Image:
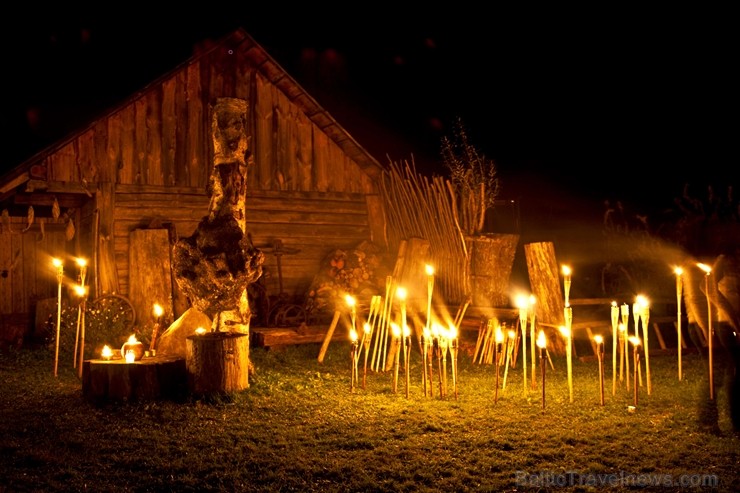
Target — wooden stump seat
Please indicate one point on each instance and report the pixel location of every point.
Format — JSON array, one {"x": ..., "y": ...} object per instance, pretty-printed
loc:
[{"x": 151, "y": 378}]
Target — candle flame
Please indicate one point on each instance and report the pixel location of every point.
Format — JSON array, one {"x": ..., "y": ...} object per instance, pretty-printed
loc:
[
  {"x": 453, "y": 332},
  {"x": 622, "y": 328},
  {"x": 499, "y": 335},
  {"x": 678, "y": 271},
  {"x": 158, "y": 310},
  {"x": 401, "y": 293},
  {"x": 541, "y": 339},
  {"x": 56, "y": 262},
  {"x": 406, "y": 330},
  {"x": 705, "y": 268},
  {"x": 614, "y": 303},
  {"x": 598, "y": 339},
  {"x": 130, "y": 356},
  {"x": 353, "y": 335},
  {"x": 350, "y": 300},
  {"x": 80, "y": 290},
  {"x": 427, "y": 333},
  {"x": 200, "y": 331},
  {"x": 81, "y": 261},
  {"x": 567, "y": 271},
  {"x": 367, "y": 328},
  {"x": 564, "y": 330},
  {"x": 635, "y": 340},
  {"x": 132, "y": 339},
  {"x": 107, "y": 352},
  {"x": 430, "y": 270},
  {"x": 512, "y": 334}
]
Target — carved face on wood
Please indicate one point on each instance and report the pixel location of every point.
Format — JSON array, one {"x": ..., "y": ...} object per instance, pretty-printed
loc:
[{"x": 230, "y": 131}]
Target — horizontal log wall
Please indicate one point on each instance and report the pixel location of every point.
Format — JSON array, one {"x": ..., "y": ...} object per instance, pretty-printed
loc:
[{"x": 314, "y": 223}]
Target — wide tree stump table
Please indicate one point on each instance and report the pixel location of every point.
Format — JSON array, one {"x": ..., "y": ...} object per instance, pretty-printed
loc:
[{"x": 151, "y": 378}]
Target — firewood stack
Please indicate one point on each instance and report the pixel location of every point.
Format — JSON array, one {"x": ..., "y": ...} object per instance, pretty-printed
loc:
[{"x": 360, "y": 272}]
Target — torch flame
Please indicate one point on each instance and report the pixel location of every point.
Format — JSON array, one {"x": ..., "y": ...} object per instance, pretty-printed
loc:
[{"x": 541, "y": 339}]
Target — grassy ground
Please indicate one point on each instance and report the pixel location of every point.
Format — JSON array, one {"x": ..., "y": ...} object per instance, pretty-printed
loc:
[{"x": 300, "y": 428}]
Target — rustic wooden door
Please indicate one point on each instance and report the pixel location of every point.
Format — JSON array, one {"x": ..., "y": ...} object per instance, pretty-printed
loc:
[{"x": 150, "y": 278}]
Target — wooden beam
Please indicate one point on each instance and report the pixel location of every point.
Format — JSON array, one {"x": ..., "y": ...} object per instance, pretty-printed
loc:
[{"x": 18, "y": 180}]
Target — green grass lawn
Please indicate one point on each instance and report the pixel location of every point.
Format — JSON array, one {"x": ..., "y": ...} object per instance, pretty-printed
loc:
[{"x": 299, "y": 427}]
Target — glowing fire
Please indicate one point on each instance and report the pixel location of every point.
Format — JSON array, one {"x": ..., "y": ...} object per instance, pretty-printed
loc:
[{"x": 107, "y": 352}]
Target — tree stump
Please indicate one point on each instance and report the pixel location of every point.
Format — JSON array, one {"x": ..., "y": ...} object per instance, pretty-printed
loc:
[
  {"x": 217, "y": 362},
  {"x": 146, "y": 379}
]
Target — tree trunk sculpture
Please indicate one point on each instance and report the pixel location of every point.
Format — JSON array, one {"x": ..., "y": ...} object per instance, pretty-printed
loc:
[{"x": 215, "y": 265}]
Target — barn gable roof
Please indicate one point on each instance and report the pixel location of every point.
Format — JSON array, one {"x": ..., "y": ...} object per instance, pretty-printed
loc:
[{"x": 267, "y": 66}]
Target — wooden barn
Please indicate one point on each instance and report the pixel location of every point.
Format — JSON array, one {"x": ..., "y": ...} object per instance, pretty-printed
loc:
[{"x": 121, "y": 191}]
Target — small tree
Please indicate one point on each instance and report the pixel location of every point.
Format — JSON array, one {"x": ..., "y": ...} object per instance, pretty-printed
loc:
[{"x": 473, "y": 183}]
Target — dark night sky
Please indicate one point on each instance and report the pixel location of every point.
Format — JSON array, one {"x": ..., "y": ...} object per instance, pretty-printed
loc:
[{"x": 611, "y": 104}]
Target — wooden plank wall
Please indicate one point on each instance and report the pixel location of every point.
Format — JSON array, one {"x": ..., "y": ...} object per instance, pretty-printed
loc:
[
  {"x": 33, "y": 277},
  {"x": 314, "y": 223},
  {"x": 157, "y": 151}
]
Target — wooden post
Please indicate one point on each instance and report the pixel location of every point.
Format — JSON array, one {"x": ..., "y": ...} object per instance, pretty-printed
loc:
[
  {"x": 329, "y": 335},
  {"x": 217, "y": 362},
  {"x": 545, "y": 283}
]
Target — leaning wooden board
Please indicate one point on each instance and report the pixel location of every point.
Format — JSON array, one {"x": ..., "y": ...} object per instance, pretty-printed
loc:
[{"x": 159, "y": 377}]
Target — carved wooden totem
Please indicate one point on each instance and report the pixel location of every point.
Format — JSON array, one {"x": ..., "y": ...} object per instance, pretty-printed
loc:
[{"x": 214, "y": 265}]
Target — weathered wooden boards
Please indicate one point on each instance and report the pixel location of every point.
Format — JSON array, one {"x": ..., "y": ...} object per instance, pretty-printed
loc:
[
  {"x": 491, "y": 262},
  {"x": 146, "y": 379},
  {"x": 217, "y": 362}
]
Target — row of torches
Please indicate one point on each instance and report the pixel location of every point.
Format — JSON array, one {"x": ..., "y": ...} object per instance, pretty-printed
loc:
[
  {"x": 130, "y": 355},
  {"x": 437, "y": 341}
]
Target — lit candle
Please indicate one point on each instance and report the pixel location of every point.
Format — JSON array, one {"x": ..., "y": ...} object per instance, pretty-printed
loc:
[
  {"x": 568, "y": 312},
  {"x": 60, "y": 276},
  {"x": 396, "y": 331},
  {"x": 407, "y": 356},
  {"x": 427, "y": 374},
  {"x": 81, "y": 291},
  {"x": 708, "y": 270},
  {"x": 511, "y": 336},
  {"x": 621, "y": 331},
  {"x": 644, "y": 307},
  {"x": 158, "y": 311},
  {"x": 454, "y": 345},
  {"x": 625, "y": 313},
  {"x": 353, "y": 359},
  {"x": 532, "y": 342},
  {"x": 521, "y": 302},
  {"x": 636, "y": 356},
  {"x": 106, "y": 353},
  {"x": 542, "y": 343},
  {"x": 499, "y": 339},
  {"x": 367, "y": 330},
  {"x": 615, "y": 325},
  {"x": 430, "y": 290},
  {"x": 679, "y": 288},
  {"x": 566, "y": 332},
  {"x": 200, "y": 331},
  {"x": 566, "y": 283},
  {"x": 600, "y": 355}
]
